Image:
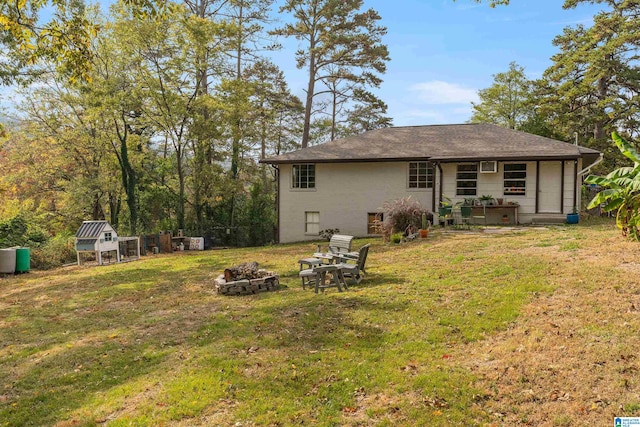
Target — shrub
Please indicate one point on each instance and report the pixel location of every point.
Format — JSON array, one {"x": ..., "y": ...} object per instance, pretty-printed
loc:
[
  {"x": 396, "y": 238},
  {"x": 328, "y": 233},
  {"x": 56, "y": 252},
  {"x": 401, "y": 213}
]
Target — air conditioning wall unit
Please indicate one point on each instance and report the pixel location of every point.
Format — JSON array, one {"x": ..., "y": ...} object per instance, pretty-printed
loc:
[{"x": 490, "y": 166}]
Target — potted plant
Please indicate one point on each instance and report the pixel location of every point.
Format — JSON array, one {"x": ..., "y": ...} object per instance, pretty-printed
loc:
[
  {"x": 445, "y": 210},
  {"x": 486, "y": 199},
  {"x": 424, "y": 231},
  {"x": 573, "y": 217},
  {"x": 445, "y": 206},
  {"x": 500, "y": 200}
]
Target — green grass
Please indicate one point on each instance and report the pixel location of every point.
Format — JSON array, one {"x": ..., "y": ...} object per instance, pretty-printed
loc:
[{"x": 150, "y": 342}]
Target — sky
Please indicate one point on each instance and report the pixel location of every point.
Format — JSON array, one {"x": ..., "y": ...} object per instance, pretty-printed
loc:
[{"x": 442, "y": 52}]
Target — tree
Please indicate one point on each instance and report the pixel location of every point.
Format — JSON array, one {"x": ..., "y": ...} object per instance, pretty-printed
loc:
[
  {"x": 506, "y": 102},
  {"x": 340, "y": 42},
  {"x": 273, "y": 112},
  {"x": 64, "y": 40},
  {"x": 352, "y": 109},
  {"x": 593, "y": 86},
  {"x": 65, "y": 117}
]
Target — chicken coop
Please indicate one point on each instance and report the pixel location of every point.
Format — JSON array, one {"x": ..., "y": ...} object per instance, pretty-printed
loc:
[{"x": 98, "y": 241}]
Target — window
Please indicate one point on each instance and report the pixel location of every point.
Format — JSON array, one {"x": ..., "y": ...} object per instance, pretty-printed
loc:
[
  {"x": 467, "y": 179},
  {"x": 312, "y": 223},
  {"x": 373, "y": 222},
  {"x": 515, "y": 179},
  {"x": 107, "y": 236},
  {"x": 304, "y": 176},
  {"x": 420, "y": 175}
]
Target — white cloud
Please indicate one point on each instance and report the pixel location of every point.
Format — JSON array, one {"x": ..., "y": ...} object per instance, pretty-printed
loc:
[{"x": 437, "y": 92}]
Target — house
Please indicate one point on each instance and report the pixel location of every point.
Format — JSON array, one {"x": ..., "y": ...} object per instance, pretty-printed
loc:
[{"x": 344, "y": 183}]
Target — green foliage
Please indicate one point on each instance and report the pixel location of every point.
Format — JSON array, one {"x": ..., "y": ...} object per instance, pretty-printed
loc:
[
  {"x": 342, "y": 48},
  {"x": 261, "y": 216},
  {"x": 53, "y": 253},
  {"x": 586, "y": 89},
  {"x": 507, "y": 102},
  {"x": 13, "y": 232},
  {"x": 396, "y": 238},
  {"x": 622, "y": 190},
  {"x": 45, "y": 252}
]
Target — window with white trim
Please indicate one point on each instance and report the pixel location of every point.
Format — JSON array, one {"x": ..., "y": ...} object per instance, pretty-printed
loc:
[
  {"x": 304, "y": 176},
  {"x": 515, "y": 179},
  {"x": 312, "y": 223},
  {"x": 107, "y": 236},
  {"x": 420, "y": 175},
  {"x": 467, "y": 179}
]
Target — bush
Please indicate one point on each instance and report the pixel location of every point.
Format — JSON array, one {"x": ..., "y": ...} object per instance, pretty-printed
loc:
[
  {"x": 56, "y": 252},
  {"x": 401, "y": 213},
  {"x": 396, "y": 238},
  {"x": 328, "y": 233}
]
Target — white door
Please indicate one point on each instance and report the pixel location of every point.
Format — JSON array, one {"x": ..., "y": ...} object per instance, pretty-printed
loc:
[{"x": 550, "y": 187}]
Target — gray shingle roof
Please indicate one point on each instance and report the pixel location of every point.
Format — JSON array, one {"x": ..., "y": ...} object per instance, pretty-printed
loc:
[
  {"x": 91, "y": 229},
  {"x": 443, "y": 143}
]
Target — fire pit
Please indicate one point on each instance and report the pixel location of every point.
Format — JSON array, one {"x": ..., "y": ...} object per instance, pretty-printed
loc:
[{"x": 246, "y": 279}]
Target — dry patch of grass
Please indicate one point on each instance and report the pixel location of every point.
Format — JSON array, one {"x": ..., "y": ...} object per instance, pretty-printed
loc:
[
  {"x": 571, "y": 357},
  {"x": 535, "y": 327}
]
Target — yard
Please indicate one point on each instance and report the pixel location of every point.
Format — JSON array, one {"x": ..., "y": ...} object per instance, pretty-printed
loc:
[{"x": 535, "y": 327}]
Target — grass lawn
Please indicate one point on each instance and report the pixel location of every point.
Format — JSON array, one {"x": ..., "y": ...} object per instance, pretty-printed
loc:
[{"x": 535, "y": 327}]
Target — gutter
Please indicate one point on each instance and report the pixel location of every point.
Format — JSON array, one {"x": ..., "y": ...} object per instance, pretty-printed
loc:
[{"x": 588, "y": 168}]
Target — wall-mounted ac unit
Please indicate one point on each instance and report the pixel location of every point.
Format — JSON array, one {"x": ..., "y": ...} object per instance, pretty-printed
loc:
[{"x": 489, "y": 167}]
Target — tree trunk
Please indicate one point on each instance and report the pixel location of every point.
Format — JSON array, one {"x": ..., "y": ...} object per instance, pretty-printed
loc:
[
  {"x": 308, "y": 107},
  {"x": 181, "y": 198}
]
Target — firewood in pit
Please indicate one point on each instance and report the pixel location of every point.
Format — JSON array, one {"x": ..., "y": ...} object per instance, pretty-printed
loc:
[{"x": 247, "y": 270}]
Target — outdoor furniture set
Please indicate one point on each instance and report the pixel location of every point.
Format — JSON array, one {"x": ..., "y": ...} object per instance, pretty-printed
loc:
[{"x": 333, "y": 267}]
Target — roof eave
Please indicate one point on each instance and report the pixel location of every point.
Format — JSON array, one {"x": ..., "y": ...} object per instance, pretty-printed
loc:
[
  {"x": 424, "y": 159},
  {"x": 361, "y": 160}
]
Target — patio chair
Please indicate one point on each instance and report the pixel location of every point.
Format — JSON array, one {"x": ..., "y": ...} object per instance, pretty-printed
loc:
[
  {"x": 340, "y": 243},
  {"x": 354, "y": 267}
]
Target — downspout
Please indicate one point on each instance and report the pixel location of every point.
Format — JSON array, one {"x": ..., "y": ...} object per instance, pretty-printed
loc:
[
  {"x": 579, "y": 175},
  {"x": 562, "y": 187},
  {"x": 575, "y": 185},
  {"x": 537, "y": 210},
  {"x": 440, "y": 187},
  {"x": 277, "y": 172},
  {"x": 433, "y": 193}
]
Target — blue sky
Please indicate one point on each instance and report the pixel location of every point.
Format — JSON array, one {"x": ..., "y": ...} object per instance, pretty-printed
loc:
[{"x": 442, "y": 52}]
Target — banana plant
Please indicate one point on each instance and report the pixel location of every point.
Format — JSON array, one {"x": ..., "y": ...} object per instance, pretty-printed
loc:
[{"x": 622, "y": 190}]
